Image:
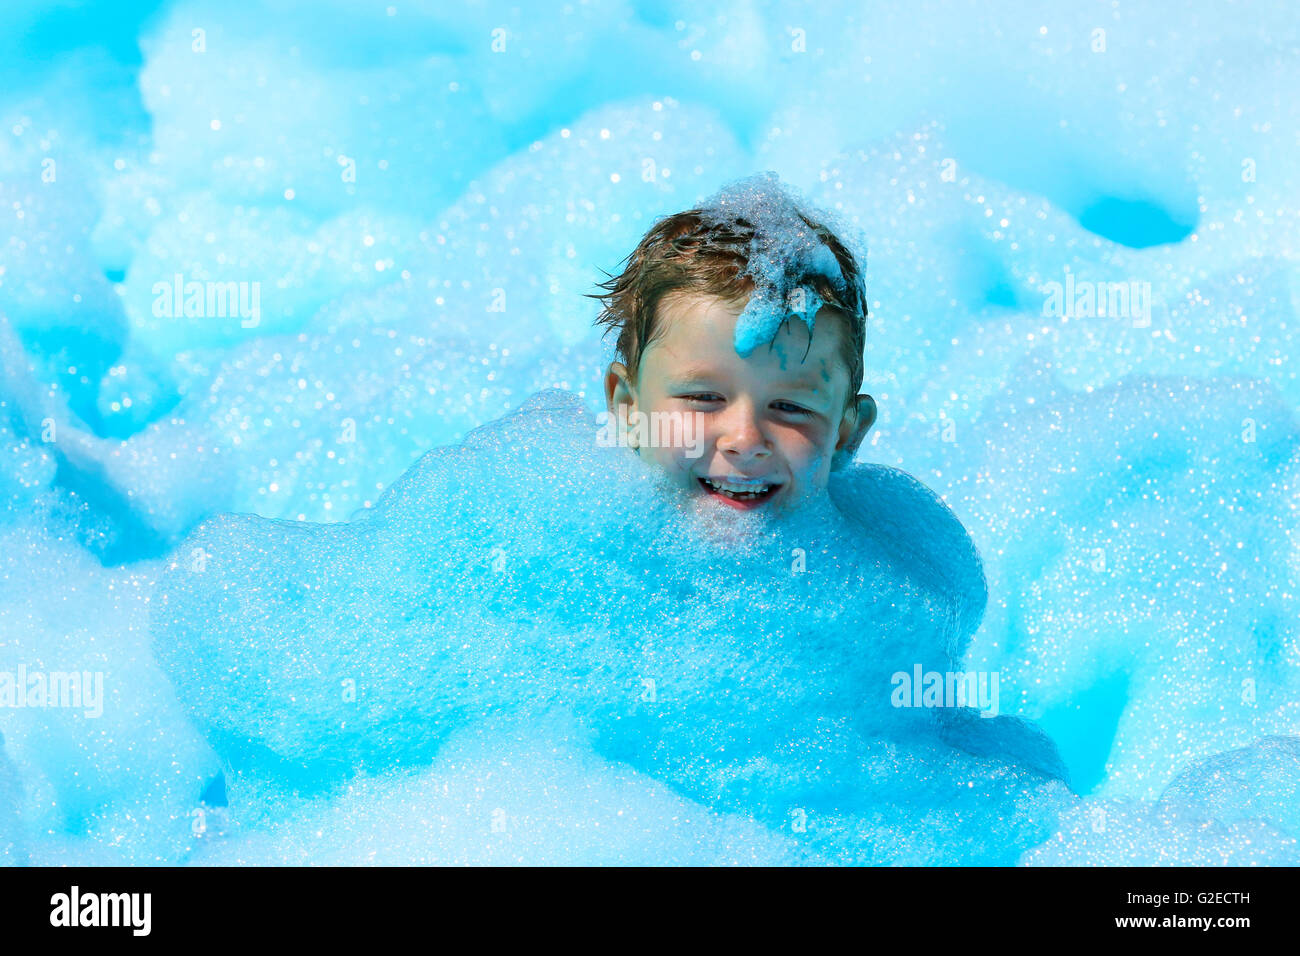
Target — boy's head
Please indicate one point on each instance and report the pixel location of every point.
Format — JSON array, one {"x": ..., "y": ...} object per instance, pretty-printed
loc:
[{"x": 695, "y": 299}]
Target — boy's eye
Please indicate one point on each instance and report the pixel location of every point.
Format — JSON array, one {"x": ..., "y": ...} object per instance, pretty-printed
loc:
[
  {"x": 702, "y": 397},
  {"x": 790, "y": 408}
]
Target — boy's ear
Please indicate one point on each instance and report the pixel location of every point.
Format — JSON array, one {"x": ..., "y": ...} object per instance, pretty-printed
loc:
[
  {"x": 618, "y": 387},
  {"x": 853, "y": 430}
]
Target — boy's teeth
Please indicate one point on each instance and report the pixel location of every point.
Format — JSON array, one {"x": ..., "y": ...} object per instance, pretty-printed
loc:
[{"x": 738, "y": 490}]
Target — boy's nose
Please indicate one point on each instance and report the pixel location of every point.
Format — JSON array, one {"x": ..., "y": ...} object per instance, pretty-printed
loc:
[{"x": 741, "y": 437}]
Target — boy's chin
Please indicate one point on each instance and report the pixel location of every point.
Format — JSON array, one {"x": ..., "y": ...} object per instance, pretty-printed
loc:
[{"x": 716, "y": 525}]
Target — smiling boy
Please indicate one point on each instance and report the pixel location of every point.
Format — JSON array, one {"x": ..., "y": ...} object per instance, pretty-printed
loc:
[
  {"x": 771, "y": 420},
  {"x": 747, "y": 318}
]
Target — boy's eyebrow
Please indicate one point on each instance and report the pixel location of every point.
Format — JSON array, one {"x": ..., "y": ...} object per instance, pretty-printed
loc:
[
  {"x": 805, "y": 381},
  {"x": 693, "y": 371}
]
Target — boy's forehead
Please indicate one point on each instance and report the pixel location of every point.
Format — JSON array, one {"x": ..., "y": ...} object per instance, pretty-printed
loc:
[
  {"x": 696, "y": 311},
  {"x": 698, "y": 329}
]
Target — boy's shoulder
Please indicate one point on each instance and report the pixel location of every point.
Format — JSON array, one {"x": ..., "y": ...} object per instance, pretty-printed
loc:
[{"x": 920, "y": 531}]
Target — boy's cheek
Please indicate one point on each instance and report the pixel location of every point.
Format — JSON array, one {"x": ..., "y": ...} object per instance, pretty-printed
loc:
[
  {"x": 694, "y": 443},
  {"x": 816, "y": 475},
  {"x": 676, "y": 463}
]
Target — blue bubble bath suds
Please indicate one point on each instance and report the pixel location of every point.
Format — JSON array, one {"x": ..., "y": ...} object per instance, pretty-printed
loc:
[{"x": 309, "y": 552}]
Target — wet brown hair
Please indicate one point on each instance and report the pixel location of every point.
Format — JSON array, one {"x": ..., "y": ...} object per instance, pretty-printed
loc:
[{"x": 684, "y": 253}]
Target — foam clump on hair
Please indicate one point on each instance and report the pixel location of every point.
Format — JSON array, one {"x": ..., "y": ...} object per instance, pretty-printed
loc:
[{"x": 785, "y": 249}]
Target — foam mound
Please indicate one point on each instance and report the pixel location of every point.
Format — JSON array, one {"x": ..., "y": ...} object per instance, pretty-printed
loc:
[{"x": 529, "y": 566}]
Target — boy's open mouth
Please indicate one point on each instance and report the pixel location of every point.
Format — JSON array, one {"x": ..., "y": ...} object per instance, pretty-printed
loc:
[{"x": 737, "y": 493}]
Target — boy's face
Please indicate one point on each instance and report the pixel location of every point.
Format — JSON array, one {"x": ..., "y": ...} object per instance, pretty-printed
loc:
[{"x": 771, "y": 422}]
